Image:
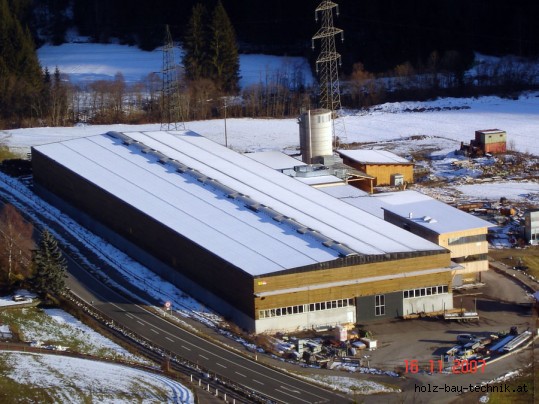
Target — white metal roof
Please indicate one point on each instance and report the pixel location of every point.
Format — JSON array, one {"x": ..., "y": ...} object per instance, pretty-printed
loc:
[
  {"x": 345, "y": 191},
  {"x": 373, "y": 156},
  {"x": 203, "y": 213},
  {"x": 275, "y": 159},
  {"x": 320, "y": 180},
  {"x": 430, "y": 213},
  {"x": 427, "y": 212}
]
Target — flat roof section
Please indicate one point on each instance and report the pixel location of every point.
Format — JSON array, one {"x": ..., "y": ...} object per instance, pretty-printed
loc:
[
  {"x": 373, "y": 156},
  {"x": 275, "y": 159},
  {"x": 330, "y": 180},
  {"x": 426, "y": 211}
]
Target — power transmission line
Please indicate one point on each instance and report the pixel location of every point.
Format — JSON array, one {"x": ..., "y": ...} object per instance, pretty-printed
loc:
[
  {"x": 171, "y": 114},
  {"x": 327, "y": 65}
]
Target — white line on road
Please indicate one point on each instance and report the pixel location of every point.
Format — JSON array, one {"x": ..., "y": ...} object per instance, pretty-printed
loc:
[
  {"x": 151, "y": 329},
  {"x": 140, "y": 322},
  {"x": 187, "y": 349},
  {"x": 202, "y": 356},
  {"x": 170, "y": 339},
  {"x": 290, "y": 395},
  {"x": 218, "y": 364},
  {"x": 290, "y": 390},
  {"x": 242, "y": 375},
  {"x": 130, "y": 316},
  {"x": 256, "y": 381}
]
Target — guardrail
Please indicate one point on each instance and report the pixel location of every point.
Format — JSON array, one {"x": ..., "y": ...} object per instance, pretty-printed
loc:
[{"x": 216, "y": 384}]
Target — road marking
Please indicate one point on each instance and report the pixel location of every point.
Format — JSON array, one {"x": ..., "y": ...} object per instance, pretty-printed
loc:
[
  {"x": 202, "y": 356},
  {"x": 140, "y": 322},
  {"x": 290, "y": 390},
  {"x": 308, "y": 390},
  {"x": 238, "y": 373},
  {"x": 151, "y": 329},
  {"x": 218, "y": 364},
  {"x": 256, "y": 381},
  {"x": 290, "y": 395},
  {"x": 170, "y": 339},
  {"x": 130, "y": 316}
]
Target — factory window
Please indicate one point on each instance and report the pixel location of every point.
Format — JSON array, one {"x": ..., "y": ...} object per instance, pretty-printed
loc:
[
  {"x": 284, "y": 311},
  {"x": 471, "y": 258},
  {"x": 379, "y": 305},
  {"x": 432, "y": 290},
  {"x": 467, "y": 239}
]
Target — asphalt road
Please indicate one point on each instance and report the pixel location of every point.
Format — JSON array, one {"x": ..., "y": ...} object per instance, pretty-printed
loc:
[{"x": 249, "y": 373}]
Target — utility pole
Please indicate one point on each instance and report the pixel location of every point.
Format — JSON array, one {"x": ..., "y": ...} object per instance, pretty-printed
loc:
[
  {"x": 327, "y": 65},
  {"x": 224, "y": 107},
  {"x": 171, "y": 114}
]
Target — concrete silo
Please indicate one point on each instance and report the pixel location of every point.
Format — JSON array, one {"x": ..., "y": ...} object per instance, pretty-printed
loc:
[{"x": 315, "y": 134}]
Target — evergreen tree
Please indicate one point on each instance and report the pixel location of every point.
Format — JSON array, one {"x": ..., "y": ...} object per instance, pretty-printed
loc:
[
  {"x": 20, "y": 72},
  {"x": 195, "y": 44},
  {"x": 50, "y": 266},
  {"x": 224, "y": 60}
]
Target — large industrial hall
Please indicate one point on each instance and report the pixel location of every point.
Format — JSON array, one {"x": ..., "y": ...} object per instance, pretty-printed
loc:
[{"x": 265, "y": 250}]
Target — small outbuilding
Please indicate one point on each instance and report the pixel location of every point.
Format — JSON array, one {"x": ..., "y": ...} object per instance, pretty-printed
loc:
[
  {"x": 381, "y": 164},
  {"x": 531, "y": 226}
]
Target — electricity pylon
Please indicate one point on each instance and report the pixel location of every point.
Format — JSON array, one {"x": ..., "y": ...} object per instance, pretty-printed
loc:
[
  {"x": 327, "y": 65},
  {"x": 171, "y": 114}
]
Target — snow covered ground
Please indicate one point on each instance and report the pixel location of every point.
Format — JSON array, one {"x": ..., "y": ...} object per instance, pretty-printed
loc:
[
  {"x": 72, "y": 380},
  {"x": 432, "y": 129},
  {"x": 58, "y": 328}
]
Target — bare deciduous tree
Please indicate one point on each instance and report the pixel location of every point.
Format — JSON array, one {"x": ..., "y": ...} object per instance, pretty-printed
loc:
[{"x": 16, "y": 245}]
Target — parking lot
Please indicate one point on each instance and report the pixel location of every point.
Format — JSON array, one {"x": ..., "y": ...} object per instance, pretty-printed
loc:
[{"x": 501, "y": 304}]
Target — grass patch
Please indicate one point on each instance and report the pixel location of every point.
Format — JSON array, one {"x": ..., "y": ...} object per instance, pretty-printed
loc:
[
  {"x": 511, "y": 256},
  {"x": 520, "y": 391},
  {"x": 6, "y": 154}
]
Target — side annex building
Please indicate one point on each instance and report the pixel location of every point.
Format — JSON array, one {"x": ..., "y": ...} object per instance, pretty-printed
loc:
[{"x": 263, "y": 249}]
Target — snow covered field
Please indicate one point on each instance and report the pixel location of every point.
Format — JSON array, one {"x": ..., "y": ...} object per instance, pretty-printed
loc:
[
  {"x": 443, "y": 129},
  {"x": 73, "y": 380},
  {"x": 87, "y": 62}
]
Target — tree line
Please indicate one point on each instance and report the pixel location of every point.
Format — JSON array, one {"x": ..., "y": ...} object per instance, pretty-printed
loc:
[
  {"x": 380, "y": 34},
  {"x": 30, "y": 96}
]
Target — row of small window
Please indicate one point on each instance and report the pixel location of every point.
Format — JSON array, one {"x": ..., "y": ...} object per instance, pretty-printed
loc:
[
  {"x": 467, "y": 239},
  {"x": 431, "y": 290},
  {"x": 471, "y": 258},
  {"x": 284, "y": 311}
]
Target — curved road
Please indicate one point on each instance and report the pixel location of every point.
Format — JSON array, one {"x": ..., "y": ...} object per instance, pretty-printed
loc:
[{"x": 253, "y": 375}]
